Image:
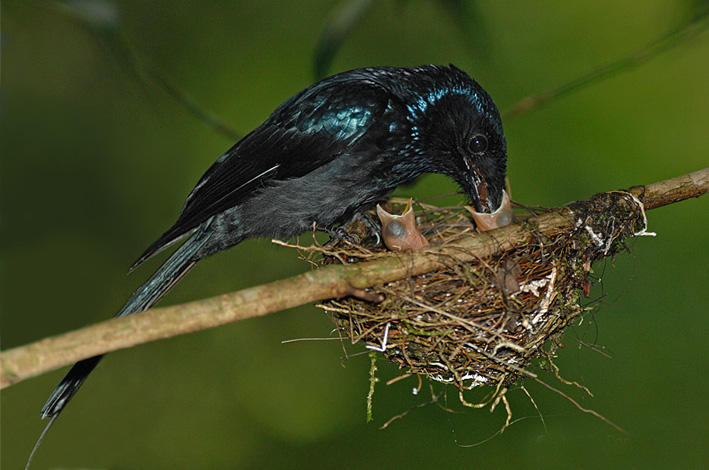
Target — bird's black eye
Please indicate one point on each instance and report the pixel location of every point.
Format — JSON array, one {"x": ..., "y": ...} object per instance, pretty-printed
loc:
[{"x": 478, "y": 143}]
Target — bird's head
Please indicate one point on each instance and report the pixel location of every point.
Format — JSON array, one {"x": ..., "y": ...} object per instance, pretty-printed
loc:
[{"x": 459, "y": 131}]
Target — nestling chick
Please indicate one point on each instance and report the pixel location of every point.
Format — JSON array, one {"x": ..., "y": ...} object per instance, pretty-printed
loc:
[
  {"x": 504, "y": 215},
  {"x": 400, "y": 232}
]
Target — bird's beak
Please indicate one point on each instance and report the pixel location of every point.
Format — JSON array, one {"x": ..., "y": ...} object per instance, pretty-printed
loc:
[
  {"x": 400, "y": 232},
  {"x": 504, "y": 215},
  {"x": 479, "y": 195}
]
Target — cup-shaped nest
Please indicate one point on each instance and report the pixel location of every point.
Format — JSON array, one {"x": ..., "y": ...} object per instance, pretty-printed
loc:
[{"x": 482, "y": 322}]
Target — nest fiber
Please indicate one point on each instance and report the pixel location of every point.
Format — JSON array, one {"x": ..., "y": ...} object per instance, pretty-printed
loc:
[{"x": 482, "y": 322}]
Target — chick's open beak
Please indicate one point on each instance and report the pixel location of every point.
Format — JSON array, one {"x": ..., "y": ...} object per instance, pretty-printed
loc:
[
  {"x": 400, "y": 232},
  {"x": 504, "y": 215}
]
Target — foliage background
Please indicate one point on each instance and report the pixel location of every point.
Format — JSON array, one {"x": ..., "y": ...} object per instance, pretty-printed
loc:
[{"x": 96, "y": 161}]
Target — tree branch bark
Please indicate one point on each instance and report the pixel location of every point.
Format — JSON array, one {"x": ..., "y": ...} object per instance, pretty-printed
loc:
[{"x": 334, "y": 281}]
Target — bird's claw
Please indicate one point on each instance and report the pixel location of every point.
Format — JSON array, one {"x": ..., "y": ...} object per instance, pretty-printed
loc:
[
  {"x": 372, "y": 226},
  {"x": 337, "y": 234}
]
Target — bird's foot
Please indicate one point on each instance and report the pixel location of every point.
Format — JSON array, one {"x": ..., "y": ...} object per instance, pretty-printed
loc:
[
  {"x": 373, "y": 227},
  {"x": 337, "y": 234},
  {"x": 356, "y": 234}
]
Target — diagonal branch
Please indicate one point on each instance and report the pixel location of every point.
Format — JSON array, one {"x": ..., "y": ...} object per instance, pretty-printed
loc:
[{"x": 333, "y": 281}]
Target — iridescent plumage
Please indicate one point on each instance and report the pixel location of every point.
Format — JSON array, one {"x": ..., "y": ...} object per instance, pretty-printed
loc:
[{"x": 326, "y": 153}]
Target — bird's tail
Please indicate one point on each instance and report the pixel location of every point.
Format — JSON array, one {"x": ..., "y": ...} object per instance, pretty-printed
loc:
[{"x": 142, "y": 299}]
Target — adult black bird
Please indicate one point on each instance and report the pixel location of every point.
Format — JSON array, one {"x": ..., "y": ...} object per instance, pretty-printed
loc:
[{"x": 326, "y": 153}]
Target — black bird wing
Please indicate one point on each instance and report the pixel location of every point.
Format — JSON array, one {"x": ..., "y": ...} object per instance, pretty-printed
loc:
[{"x": 309, "y": 130}]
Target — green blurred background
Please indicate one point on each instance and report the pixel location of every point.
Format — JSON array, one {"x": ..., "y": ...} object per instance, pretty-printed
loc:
[{"x": 97, "y": 160}]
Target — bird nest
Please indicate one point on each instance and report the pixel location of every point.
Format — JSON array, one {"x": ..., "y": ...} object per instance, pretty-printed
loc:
[{"x": 481, "y": 321}]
